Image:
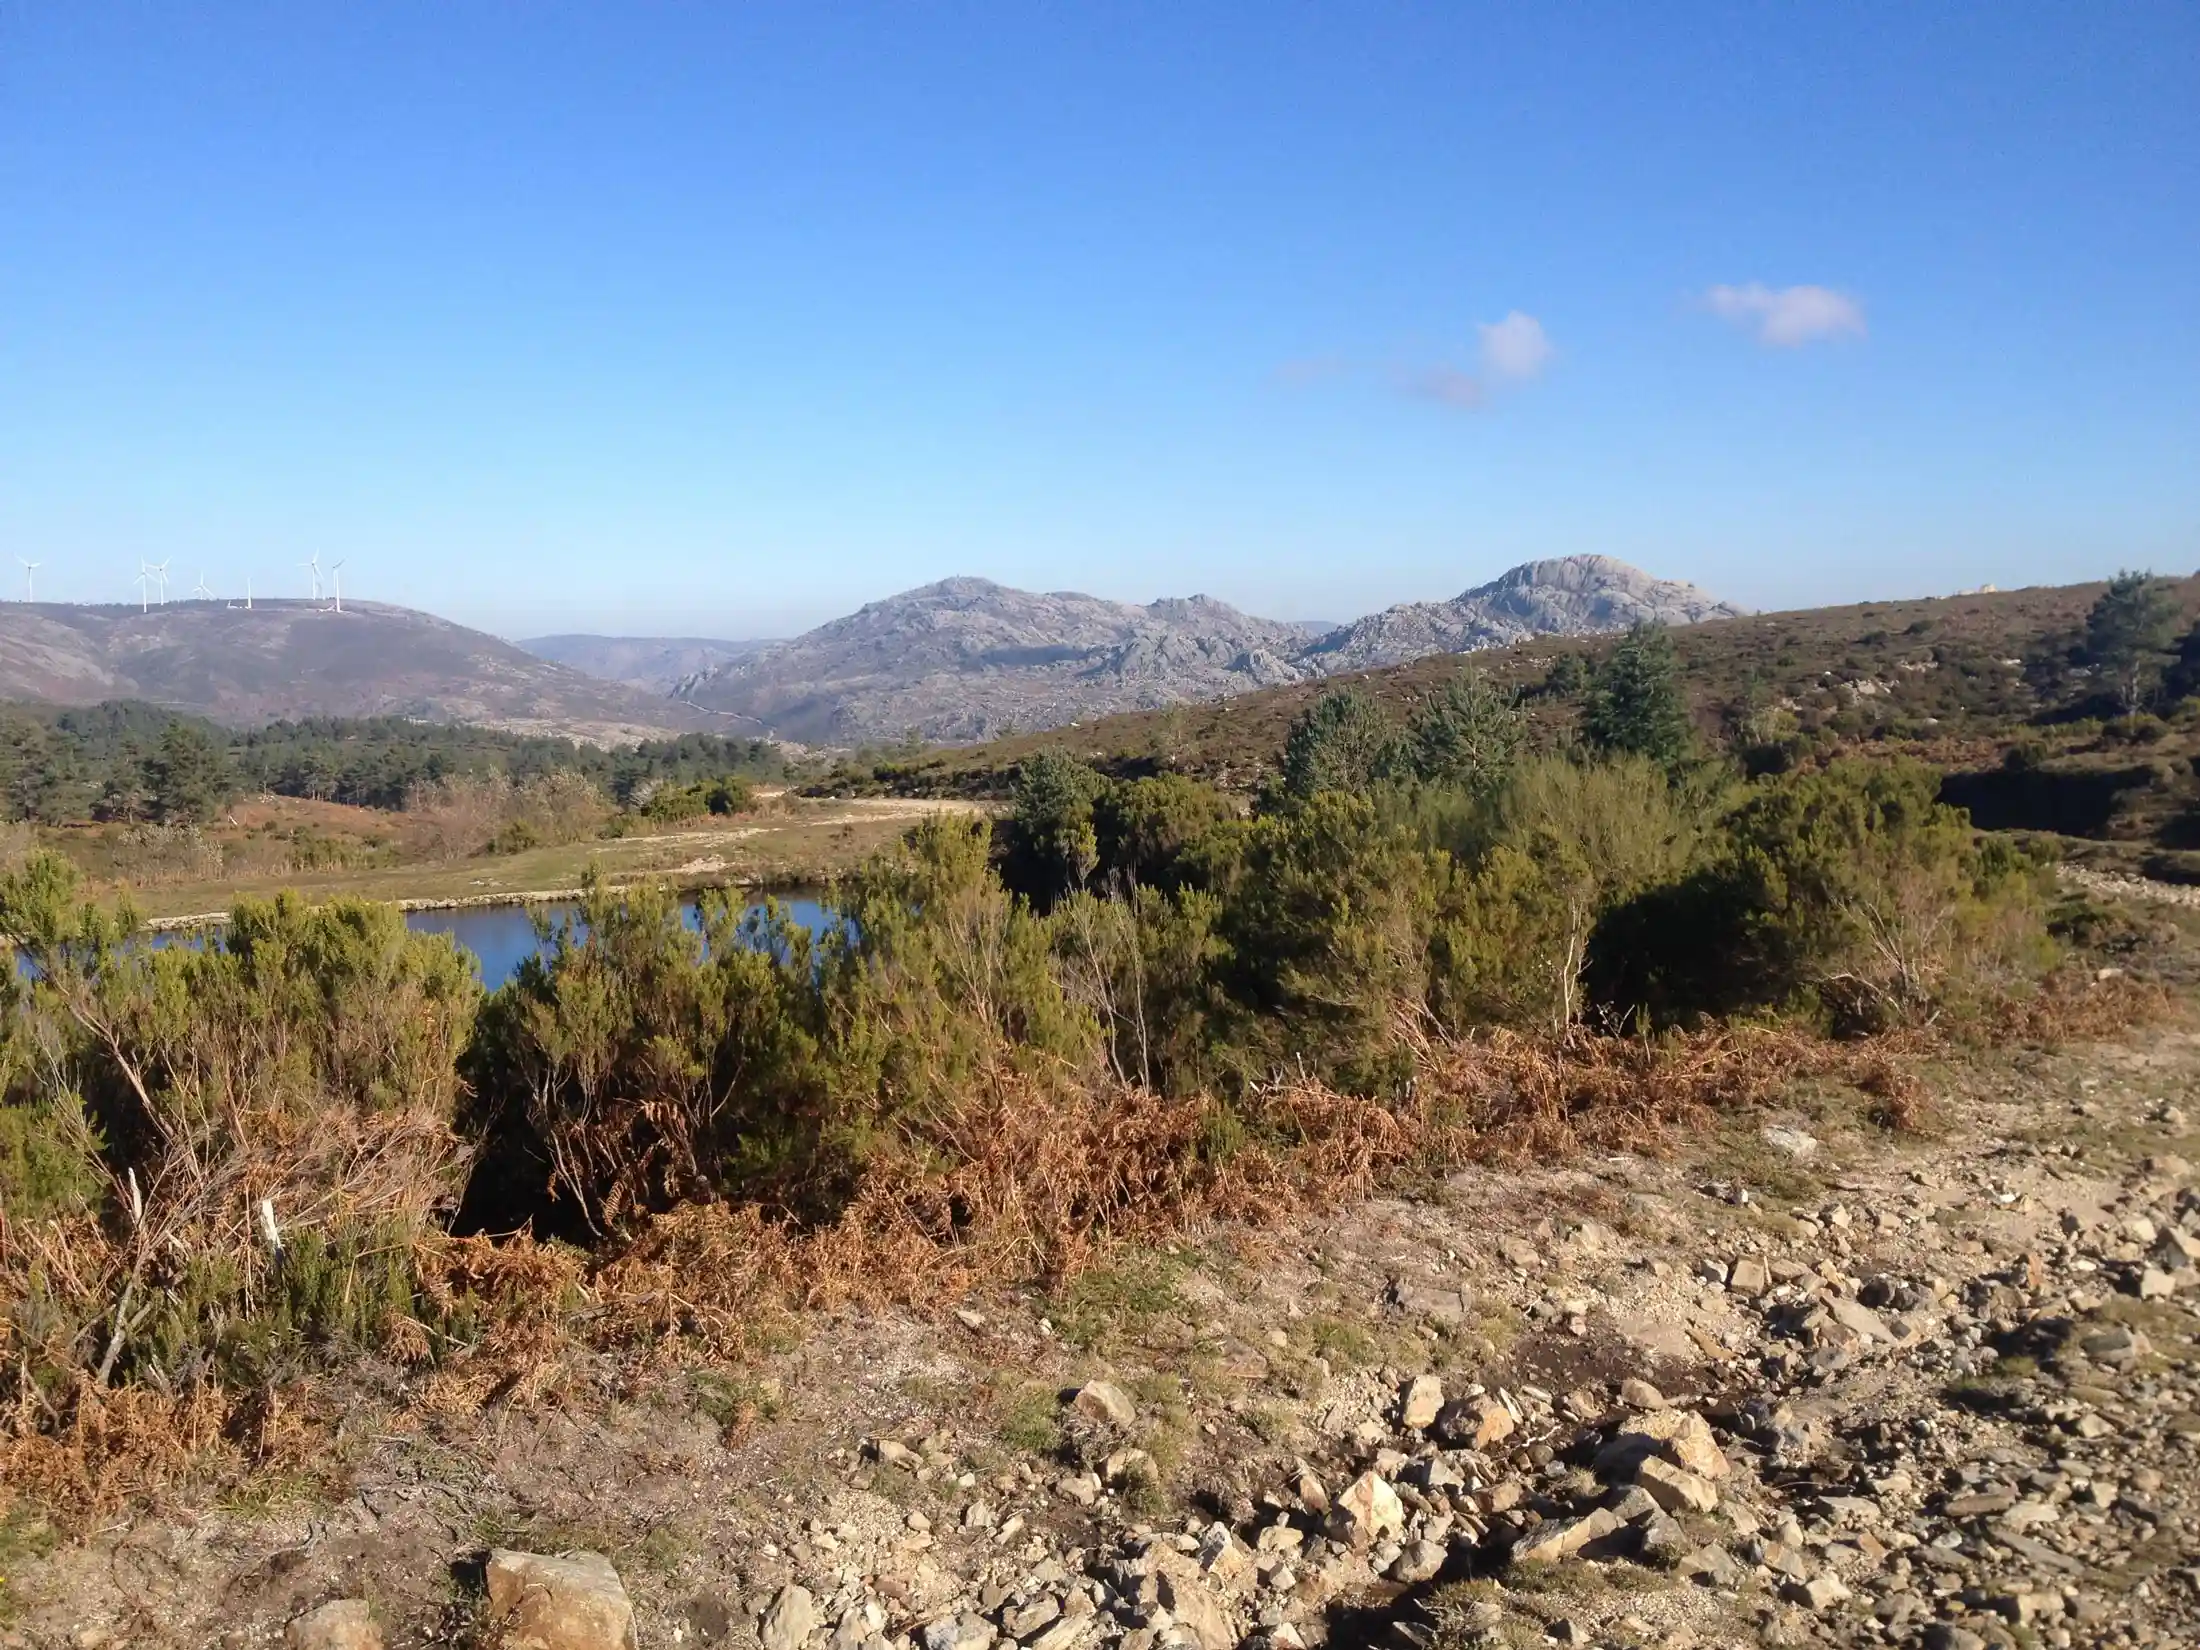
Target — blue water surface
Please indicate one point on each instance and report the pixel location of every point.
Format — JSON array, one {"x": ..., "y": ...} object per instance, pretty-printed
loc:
[{"x": 501, "y": 937}]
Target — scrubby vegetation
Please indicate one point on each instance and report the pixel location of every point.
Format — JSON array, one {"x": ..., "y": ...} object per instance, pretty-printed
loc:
[
  {"x": 1133, "y": 1005},
  {"x": 1500, "y": 913},
  {"x": 2070, "y": 715}
]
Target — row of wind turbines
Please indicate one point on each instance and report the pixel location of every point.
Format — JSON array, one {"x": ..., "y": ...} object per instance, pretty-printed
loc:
[{"x": 153, "y": 576}]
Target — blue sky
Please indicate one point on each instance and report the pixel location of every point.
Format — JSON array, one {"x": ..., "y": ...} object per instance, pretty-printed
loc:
[{"x": 722, "y": 319}]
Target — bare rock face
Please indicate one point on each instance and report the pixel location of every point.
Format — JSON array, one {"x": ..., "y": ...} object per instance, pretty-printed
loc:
[
  {"x": 967, "y": 659},
  {"x": 1567, "y": 596},
  {"x": 576, "y": 1602},
  {"x": 342, "y": 1624}
]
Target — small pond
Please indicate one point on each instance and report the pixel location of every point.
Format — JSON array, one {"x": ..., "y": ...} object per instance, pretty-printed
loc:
[{"x": 501, "y": 937}]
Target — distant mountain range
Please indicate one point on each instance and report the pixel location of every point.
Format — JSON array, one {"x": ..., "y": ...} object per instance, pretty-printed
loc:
[
  {"x": 961, "y": 660},
  {"x": 1570, "y": 596},
  {"x": 658, "y": 663},
  {"x": 291, "y": 659},
  {"x": 966, "y": 659}
]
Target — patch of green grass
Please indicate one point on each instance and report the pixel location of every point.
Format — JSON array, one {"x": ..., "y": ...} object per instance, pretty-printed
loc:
[
  {"x": 1345, "y": 1344},
  {"x": 737, "y": 1402},
  {"x": 1114, "y": 1305},
  {"x": 1270, "y": 1423},
  {"x": 25, "y": 1535},
  {"x": 1030, "y": 1419},
  {"x": 665, "y": 1548},
  {"x": 1742, "y": 1155}
]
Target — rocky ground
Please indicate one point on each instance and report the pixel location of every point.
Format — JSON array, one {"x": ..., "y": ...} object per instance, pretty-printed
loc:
[{"x": 1803, "y": 1381}]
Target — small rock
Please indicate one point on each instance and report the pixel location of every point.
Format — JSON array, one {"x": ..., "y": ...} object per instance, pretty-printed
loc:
[
  {"x": 1224, "y": 1557},
  {"x": 1196, "y": 1609},
  {"x": 1080, "y": 1487},
  {"x": 1024, "y": 1621},
  {"x": 1562, "y": 1538},
  {"x": 1660, "y": 1540},
  {"x": 1750, "y": 1276},
  {"x": 1680, "y": 1436},
  {"x": 1714, "y": 1566},
  {"x": 1821, "y": 1592},
  {"x": 1420, "y": 1403},
  {"x": 1859, "y": 1319},
  {"x": 790, "y": 1620},
  {"x": 967, "y": 1631},
  {"x": 1104, "y": 1401},
  {"x": 1365, "y": 1511},
  {"x": 2118, "y": 1346},
  {"x": 1675, "y": 1489},
  {"x": 342, "y": 1624},
  {"x": 1636, "y": 1393},
  {"x": 1420, "y": 1561},
  {"x": 1475, "y": 1423},
  {"x": 572, "y": 1603},
  {"x": 1790, "y": 1142}
]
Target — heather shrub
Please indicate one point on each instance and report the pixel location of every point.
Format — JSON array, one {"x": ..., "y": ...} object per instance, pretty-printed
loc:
[
  {"x": 1852, "y": 894},
  {"x": 1324, "y": 938},
  {"x": 642, "y": 1062},
  {"x": 219, "y": 1156},
  {"x": 1567, "y": 842}
]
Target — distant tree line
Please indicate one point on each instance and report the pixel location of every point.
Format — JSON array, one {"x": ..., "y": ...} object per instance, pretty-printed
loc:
[{"x": 131, "y": 761}]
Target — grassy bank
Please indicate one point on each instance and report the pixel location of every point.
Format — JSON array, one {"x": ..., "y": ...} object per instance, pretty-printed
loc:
[{"x": 789, "y": 840}]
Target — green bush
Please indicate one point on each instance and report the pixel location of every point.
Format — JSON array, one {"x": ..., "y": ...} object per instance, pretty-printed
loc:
[
  {"x": 1326, "y": 941},
  {"x": 1341, "y": 743},
  {"x": 1165, "y": 832},
  {"x": 1051, "y": 846},
  {"x": 1853, "y": 893},
  {"x": 1466, "y": 738},
  {"x": 641, "y": 1062},
  {"x": 720, "y": 797},
  {"x": 1567, "y": 843},
  {"x": 1635, "y": 706},
  {"x": 236, "y": 1145}
]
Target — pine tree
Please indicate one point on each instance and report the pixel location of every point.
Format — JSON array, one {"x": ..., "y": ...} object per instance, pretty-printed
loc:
[
  {"x": 1635, "y": 703},
  {"x": 187, "y": 775},
  {"x": 2129, "y": 634},
  {"x": 1467, "y": 737},
  {"x": 1338, "y": 744}
]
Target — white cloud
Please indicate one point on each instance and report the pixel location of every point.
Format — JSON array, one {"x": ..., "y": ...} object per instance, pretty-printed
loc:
[
  {"x": 1789, "y": 315},
  {"x": 1515, "y": 348}
]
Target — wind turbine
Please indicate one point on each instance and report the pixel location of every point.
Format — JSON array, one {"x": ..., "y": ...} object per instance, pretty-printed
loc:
[
  {"x": 29, "y": 567},
  {"x": 144, "y": 584},
  {"x": 312, "y": 565},
  {"x": 199, "y": 592},
  {"x": 159, "y": 570},
  {"x": 336, "y": 582}
]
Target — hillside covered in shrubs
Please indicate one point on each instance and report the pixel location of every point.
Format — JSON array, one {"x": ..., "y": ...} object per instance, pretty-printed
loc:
[{"x": 1131, "y": 1006}]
